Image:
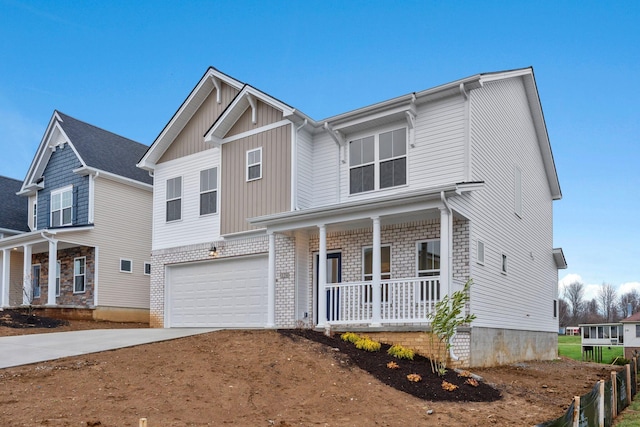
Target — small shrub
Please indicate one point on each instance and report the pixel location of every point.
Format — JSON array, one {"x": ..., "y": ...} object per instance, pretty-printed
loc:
[
  {"x": 414, "y": 378},
  {"x": 392, "y": 365},
  {"x": 448, "y": 386},
  {"x": 400, "y": 352},
  {"x": 620, "y": 361},
  {"x": 368, "y": 344},
  {"x": 471, "y": 382},
  {"x": 350, "y": 337}
]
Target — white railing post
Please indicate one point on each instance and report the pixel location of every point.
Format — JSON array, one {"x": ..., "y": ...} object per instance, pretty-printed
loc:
[
  {"x": 376, "y": 287},
  {"x": 322, "y": 277}
]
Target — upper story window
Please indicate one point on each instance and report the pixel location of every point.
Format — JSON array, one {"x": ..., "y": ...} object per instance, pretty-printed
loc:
[
  {"x": 208, "y": 191},
  {"x": 377, "y": 162},
  {"x": 254, "y": 164},
  {"x": 174, "y": 199},
  {"x": 35, "y": 216},
  {"x": 62, "y": 207}
]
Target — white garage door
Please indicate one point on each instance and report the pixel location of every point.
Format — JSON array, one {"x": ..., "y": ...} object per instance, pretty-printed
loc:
[{"x": 229, "y": 293}]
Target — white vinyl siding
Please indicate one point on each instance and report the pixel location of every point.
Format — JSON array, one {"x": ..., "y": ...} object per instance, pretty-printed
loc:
[
  {"x": 517, "y": 191},
  {"x": 194, "y": 228},
  {"x": 305, "y": 169},
  {"x": 502, "y": 135},
  {"x": 326, "y": 173}
]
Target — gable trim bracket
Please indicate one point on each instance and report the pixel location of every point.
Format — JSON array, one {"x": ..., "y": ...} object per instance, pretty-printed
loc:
[
  {"x": 218, "y": 85},
  {"x": 254, "y": 108},
  {"x": 338, "y": 138}
]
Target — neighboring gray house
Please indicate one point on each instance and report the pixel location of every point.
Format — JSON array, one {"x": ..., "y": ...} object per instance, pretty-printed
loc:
[
  {"x": 89, "y": 216},
  {"x": 264, "y": 217}
]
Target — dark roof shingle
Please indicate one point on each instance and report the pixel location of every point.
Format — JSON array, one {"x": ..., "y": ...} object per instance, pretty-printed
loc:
[{"x": 13, "y": 209}]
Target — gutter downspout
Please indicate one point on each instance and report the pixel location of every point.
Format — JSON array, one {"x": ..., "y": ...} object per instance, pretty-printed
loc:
[
  {"x": 333, "y": 136},
  {"x": 448, "y": 255}
]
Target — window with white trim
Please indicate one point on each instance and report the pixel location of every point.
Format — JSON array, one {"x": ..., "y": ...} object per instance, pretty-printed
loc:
[
  {"x": 35, "y": 215},
  {"x": 518, "y": 192},
  {"x": 385, "y": 269},
  {"x": 126, "y": 265},
  {"x": 503, "y": 267},
  {"x": 147, "y": 268},
  {"x": 174, "y": 199},
  {"x": 480, "y": 252},
  {"x": 79, "y": 275},
  {"x": 35, "y": 280},
  {"x": 208, "y": 191},
  {"x": 62, "y": 207},
  {"x": 58, "y": 278},
  {"x": 377, "y": 162},
  {"x": 254, "y": 164},
  {"x": 428, "y": 253}
]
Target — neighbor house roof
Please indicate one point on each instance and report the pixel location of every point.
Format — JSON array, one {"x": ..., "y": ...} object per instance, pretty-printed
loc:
[
  {"x": 13, "y": 208},
  {"x": 97, "y": 150},
  {"x": 632, "y": 319}
]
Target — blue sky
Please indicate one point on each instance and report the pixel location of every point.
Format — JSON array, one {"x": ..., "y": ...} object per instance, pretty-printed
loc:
[{"x": 127, "y": 66}]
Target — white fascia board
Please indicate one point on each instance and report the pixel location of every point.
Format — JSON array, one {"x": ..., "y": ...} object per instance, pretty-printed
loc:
[
  {"x": 558, "y": 256},
  {"x": 98, "y": 173},
  {"x": 390, "y": 205},
  {"x": 182, "y": 116}
]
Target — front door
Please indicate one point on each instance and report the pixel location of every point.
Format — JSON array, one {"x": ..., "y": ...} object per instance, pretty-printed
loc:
[{"x": 334, "y": 275}]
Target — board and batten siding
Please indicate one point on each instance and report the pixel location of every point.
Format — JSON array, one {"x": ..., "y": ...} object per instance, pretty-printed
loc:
[
  {"x": 192, "y": 228},
  {"x": 270, "y": 194},
  {"x": 191, "y": 140},
  {"x": 304, "y": 169},
  {"x": 326, "y": 168},
  {"x": 438, "y": 157},
  {"x": 265, "y": 115},
  {"x": 503, "y": 137}
]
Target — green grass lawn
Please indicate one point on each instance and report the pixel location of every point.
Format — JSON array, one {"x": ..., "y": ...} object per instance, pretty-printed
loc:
[{"x": 569, "y": 346}]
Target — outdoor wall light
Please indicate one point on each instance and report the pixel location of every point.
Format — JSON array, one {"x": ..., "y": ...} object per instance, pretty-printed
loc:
[{"x": 213, "y": 251}]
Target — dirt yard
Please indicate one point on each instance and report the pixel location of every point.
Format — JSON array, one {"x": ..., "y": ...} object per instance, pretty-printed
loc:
[{"x": 261, "y": 378}]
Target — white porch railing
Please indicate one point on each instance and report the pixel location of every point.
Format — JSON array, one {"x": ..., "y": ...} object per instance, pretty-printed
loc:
[{"x": 402, "y": 301}]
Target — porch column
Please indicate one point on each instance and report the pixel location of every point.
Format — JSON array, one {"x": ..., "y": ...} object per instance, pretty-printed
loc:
[
  {"x": 27, "y": 281},
  {"x": 445, "y": 250},
  {"x": 6, "y": 277},
  {"x": 271, "y": 283},
  {"x": 53, "y": 270},
  {"x": 322, "y": 277},
  {"x": 376, "y": 286}
]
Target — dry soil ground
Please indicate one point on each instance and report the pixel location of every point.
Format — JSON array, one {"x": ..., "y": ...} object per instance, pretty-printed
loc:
[{"x": 261, "y": 378}]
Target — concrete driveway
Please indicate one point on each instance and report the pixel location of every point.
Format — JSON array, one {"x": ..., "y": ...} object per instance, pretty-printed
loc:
[{"x": 26, "y": 349}]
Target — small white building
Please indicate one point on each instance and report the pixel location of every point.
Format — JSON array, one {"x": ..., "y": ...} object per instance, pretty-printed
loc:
[{"x": 631, "y": 334}]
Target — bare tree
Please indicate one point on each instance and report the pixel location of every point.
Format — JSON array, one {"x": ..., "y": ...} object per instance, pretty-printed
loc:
[
  {"x": 574, "y": 295},
  {"x": 632, "y": 297},
  {"x": 591, "y": 313},
  {"x": 564, "y": 317},
  {"x": 607, "y": 301}
]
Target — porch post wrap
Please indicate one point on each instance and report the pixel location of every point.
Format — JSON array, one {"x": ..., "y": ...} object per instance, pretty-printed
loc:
[
  {"x": 6, "y": 275},
  {"x": 27, "y": 280},
  {"x": 271, "y": 284},
  {"x": 53, "y": 269},
  {"x": 376, "y": 285},
  {"x": 322, "y": 276},
  {"x": 445, "y": 251}
]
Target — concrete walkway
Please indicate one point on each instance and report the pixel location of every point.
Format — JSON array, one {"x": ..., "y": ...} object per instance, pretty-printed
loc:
[{"x": 26, "y": 349}]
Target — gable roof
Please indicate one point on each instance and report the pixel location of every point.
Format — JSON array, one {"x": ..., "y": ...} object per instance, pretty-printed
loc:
[
  {"x": 96, "y": 149},
  {"x": 634, "y": 318},
  {"x": 14, "y": 209}
]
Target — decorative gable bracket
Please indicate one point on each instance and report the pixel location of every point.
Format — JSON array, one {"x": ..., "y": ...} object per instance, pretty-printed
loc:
[
  {"x": 218, "y": 85},
  {"x": 254, "y": 108}
]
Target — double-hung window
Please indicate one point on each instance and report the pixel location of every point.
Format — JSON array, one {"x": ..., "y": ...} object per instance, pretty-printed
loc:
[
  {"x": 35, "y": 215},
  {"x": 254, "y": 164},
  {"x": 58, "y": 268},
  {"x": 174, "y": 199},
  {"x": 208, "y": 191},
  {"x": 62, "y": 207},
  {"x": 377, "y": 162},
  {"x": 35, "y": 280},
  {"x": 428, "y": 253},
  {"x": 385, "y": 270},
  {"x": 79, "y": 274}
]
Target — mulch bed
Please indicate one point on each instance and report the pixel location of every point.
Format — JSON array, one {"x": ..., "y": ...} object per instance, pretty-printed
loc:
[
  {"x": 429, "y": 388},
  {"x": 22, "y": 319}
]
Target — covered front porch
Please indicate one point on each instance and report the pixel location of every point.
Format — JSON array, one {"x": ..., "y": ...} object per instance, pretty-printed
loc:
[
  {"x": 387, "y": 264},
  {"x": 42, "y": 268}
]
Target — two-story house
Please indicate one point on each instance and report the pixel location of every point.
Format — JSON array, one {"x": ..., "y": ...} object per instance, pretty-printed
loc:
[
  {"x": 86, "y": 251},
  {"x": 265, "y": 217}
]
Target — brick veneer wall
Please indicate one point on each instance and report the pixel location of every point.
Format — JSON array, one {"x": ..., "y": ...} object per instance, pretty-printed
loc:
[{"x": 67, "y": 296}]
